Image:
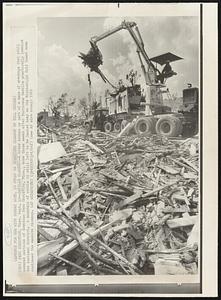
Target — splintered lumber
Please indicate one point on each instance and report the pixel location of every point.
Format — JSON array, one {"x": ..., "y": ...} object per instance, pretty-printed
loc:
[
  {"x": 170, "y": 251},
  {"x": 108, "y": 134},
  {"x": 61, "y": 169},
  {"x": 127, "y": 128},
  {"x": 54, "y": 176},
  {"x": 180, "y": 222},
  {"x": 194, "y": 235},
  {"x": 74, "y": 183},
  {"x": 117, "y": 255},
  {"x": 131, "y": 199},
  {"x": 179, "y": 163},
  {"x": 94, "y": 232},
  {"x": 73, "y": 199},
  {"x": 45, "y": 234},
  {"x": 169, "y": 169},
  {"x": 169, "y": 267},
  {"x": 116, "y": 156},
  {"x": 45, "y": 248},
  {"x": 94, "y": 147},
  {"x": 124, "y": 187},
  {"x": 189, "y": 163},
  {"x": 186, "y": 141},
  {"x": 71, "y": 264},
  {"x": 116, "y": 176},
  {"x": 43, "y": 271},
  {"x": 120, "y": 210},
  {"x": 139, "y": 196},
  {"x": 61, "y": 271},
  {"x": 105, "y": 191},
  {"x": 64, "y": 196}
]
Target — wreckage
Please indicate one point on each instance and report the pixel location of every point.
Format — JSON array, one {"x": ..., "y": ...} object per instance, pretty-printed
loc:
[
  {"x": 116, "y": 205},
  {"x": 144, "y": 107}
]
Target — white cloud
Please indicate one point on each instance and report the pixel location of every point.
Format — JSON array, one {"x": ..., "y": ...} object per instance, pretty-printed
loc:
[
  {"x": 61, "y": 73},
  {"x": 58, "y": 73},
  {"x": 123, "y": 63},
  {"x": 111, "y": 23}
]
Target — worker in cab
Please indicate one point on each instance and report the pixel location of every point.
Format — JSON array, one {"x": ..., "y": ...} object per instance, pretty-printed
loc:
[{"x": 167, "y": 70}]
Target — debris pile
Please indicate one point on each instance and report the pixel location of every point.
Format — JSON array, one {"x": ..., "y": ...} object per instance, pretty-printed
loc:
[{"x": 117, "y": 205}]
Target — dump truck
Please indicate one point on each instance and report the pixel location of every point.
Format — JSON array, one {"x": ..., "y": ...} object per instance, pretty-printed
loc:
[
  {"x": 145, "y": 104},
  {"x": 130, "y": 104}
]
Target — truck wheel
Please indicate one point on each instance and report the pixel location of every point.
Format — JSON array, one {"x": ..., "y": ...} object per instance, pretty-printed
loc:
[
  {"x": 117, "y": 126},
  {"x": 123, "y": 124},
  {"x": 169, "y": 126},
  {"x": 189, "y": 131},
  {"x": 144, "y": 125},
  {"x": 87, "y": 127},
  {"x": 108, "y": 127}
]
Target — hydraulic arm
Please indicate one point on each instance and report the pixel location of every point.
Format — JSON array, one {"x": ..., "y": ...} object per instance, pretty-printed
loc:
[{"x": 93, "y": 59}]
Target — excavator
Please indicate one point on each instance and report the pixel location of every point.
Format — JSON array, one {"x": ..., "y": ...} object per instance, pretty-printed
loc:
[{"x": 144, "y": 105}]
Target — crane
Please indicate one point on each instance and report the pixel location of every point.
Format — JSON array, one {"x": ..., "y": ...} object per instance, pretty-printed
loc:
[
  {"x": 144, "y": 107},
  {"x": 93, "y": 59}
]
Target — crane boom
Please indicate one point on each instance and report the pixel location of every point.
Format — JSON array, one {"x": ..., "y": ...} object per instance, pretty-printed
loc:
[
  {"x": 123, "y": 25},
  {"x": 94, "y": 58},
  {"x": 150, "y": 73}
]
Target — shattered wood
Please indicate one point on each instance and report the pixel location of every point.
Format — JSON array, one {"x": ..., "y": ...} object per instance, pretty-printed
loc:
[{"x": 116, "y": 204}]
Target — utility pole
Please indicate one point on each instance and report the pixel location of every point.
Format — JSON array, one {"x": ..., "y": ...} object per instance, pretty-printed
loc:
[{"x": 89, "y": 94}]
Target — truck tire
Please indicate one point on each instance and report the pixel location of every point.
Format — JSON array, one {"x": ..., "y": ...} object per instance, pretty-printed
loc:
[
  {"x": 117, "y": 126},
  {"x": 144, "y": 125},
  {"x": 88, "y": 127},
  {"x": 123, "y": 124},
  {"x": 108, "y": 127},
  {"x": 189, "y": 131},
  {"x": 169, "y": 126}
]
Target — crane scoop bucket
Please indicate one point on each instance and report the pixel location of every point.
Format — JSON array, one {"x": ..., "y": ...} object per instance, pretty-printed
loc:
[{"x": 93, "y": 59}]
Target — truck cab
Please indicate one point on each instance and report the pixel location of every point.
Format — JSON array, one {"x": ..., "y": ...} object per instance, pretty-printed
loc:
[
  {"x": 189, "y": 110},
  {"x": 190, "y": 98}
]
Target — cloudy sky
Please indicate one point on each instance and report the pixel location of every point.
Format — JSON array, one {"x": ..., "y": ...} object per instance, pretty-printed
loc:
[{"x": 61, "y": 39}]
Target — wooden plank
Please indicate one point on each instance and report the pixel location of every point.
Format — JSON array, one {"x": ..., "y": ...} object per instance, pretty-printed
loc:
[
  {"x": 180, "y": 222},
  {"x": 135, "y": 197},
  {"x": 131, "y": 199},
  {"x": 168, "y": 169},
  {"x": 45, "y": 234},
  {"x": 64, "y": 196},
  {"x": 94, "y": 147},
  {"x": 73, "y": 199},
  {"x": 85, "y": 237},
  {"x": 61, "y": 169},
  {"x": 193, "y": 238},
  {"x": 189, "y": 163}
]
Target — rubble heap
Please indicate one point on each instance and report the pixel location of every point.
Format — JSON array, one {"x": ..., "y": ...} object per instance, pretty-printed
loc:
[{"x": 119, "y": 205}]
